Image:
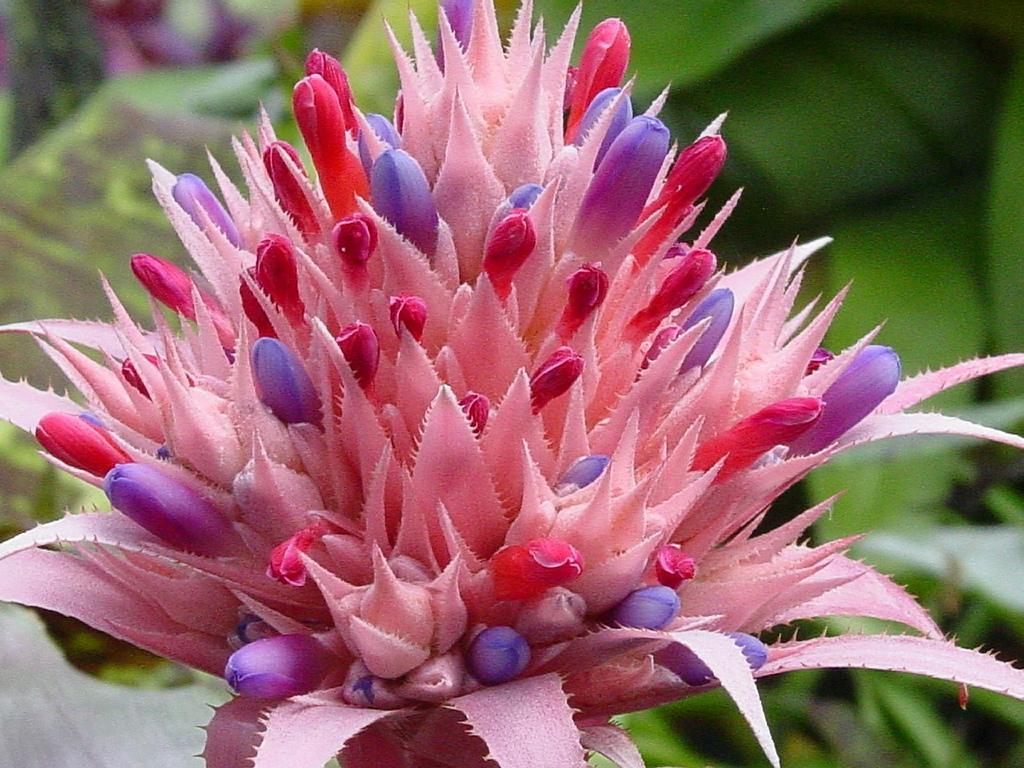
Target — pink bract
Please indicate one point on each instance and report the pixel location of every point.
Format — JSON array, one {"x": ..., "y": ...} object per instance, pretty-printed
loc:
[{"x": 371, "y": 511}]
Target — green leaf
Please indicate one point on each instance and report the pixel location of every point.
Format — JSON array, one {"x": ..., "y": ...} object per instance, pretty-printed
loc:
[
  {"x": 988, "y": 560},
  {"x": 54, "y": 715},
  {"x": 1006, "y": 227},
  {"x": 686, "y": 42}
]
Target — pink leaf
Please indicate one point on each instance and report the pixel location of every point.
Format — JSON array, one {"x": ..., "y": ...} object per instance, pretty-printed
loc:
[
  {"x": 913, "y": 390},
  {"x": 526, "y": 723},
  {"x": 899, "y": 653},
  {"x": 24, "y": 405},
  {"x": 234, "y": 732},
  {"x": 614, "y": 743}
]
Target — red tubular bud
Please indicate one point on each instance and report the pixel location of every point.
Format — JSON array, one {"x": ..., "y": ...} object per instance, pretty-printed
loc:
[
  {"x": 747, "y": 440},
  {"x": 355, "y": 240},
  {"x": 525, "y": 570},
  {"x": 330, "y": 69},
  {"x": 672, "y": 567},
  {"x": 680, "y": 285},
  {"x": 587, "y": 287},
  {"x": 409, "y": 312},
  {"x": 361, "y": 349},
  {"x": 554, "y": 377},
  {"x": 278, "y": 276},
  {"x": 602, "y": 65},
  {"x": 321, "y": 120},
  {"x": 166, "y": 282},
  {"x": 253, "y": 309},
  {"x": 289, "y": 189},
  {"x": 79, "y": 443},
  {"x": 286, "y": 565},
  {"x": 477, "y": 409},
  {"x": 508, "y": 248},
  {"x": 693, "y": 172}
]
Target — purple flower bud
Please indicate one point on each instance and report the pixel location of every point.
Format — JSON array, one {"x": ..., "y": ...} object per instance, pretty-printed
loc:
[
  {"x": 619, "y": 121},
  {"x": 581, "y": 474},
  {"x": 277, "y": 667},
  {"x": 402, "y": 196},
  {"x": 647, "y": 608},
  {"x": 866, "y": 382},
  {"x": 385, "y": 131},
  {"x": 283, "y": 384},
  {"x": 168, "y": 509},
  {"x": 524, "y": 196},
  {"x": 718, "y": 306},
  {"x": 460, "y": 18},
  {"x": 621, "y": 185},
  {"x": 692, "y": 671},
  {"x": 192, "y": 194},
  {"x": 497, "y": 655}
]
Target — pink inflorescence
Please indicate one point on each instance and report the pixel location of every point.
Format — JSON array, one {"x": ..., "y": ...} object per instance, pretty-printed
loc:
[{"x": 467, "y": 413}]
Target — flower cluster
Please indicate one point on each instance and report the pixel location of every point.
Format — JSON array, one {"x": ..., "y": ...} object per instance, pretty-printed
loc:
[{"x": 466, "y": 418}]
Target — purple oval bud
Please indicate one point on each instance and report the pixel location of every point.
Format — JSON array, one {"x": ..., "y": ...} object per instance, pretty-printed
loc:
[
  {"x": 402, "y": 196},
  {"x": 497, "y": 655},
  {"x": 277, "y": 667},
  {"x": 283, "y": 384},
  {"x": 385, "y": 131},
  {"x": 524, "y": 196},
  {"x": 719, "y": 307},
  {"x": 192, "y": 194},
  {"x": 866, "y": 382},
  {"x": 647, "y": 608},
  {"x": 692, "y": 671},
  {"x": 621, "y": 185},
  {"x": 619, "y": 121},
  {"x": 168, "y": 509},
  {"x": 581, "y": 474}
]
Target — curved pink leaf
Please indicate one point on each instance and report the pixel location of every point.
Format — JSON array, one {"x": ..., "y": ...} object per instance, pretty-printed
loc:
[
  {"x": 899, "y": 653},
  {"x": 882, "y": 426},
  {"x": 23, "y": 405},
  {"x": 525, "y": 724},
  {"x": 88, "y": 333},
  {"x": 912, "y": 391}
]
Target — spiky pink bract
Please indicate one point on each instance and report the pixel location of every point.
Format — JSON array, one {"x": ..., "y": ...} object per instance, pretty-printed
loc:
[{"x": 614, "y": 421}]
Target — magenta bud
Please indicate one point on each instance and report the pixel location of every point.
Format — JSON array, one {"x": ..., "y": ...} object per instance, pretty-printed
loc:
[
  {"x": 168, "y": 509},
  {"x": 621, "y": 184},
  {"x": 330, "y": 69},
  {"x": 131, "y": 374},
  {"x": 672, "y": 567},
  {"x": 290, "y": 186},
  {"x": 355, "y": 240},
  {"x": 646, "y": 608},
  {"x": 718, "y": 306},
  {"x": 508, "y": 247},
  {"x": 402, "y": 196},
  {"x": 587, "y": 288},
  {"x": 662, "y": 339},
  {"x": 861, "y": 387},
  {"x": 818, "y": 359},
  {"x": 283, "y": 384},
  {"x": 277, "y": 667},
  {"x": 166, "y": 282},
  {"x": 252, "y": 307},
  {"x": 79, "y": 442},
  {"x": 602, "y": 65},
  {"x": 192, "y": 194},
  {"x": 277, "y": 274},
  {"x": 581, "y": 474},
  {"x": 554, "y": 376},
  {"x": 692, "y": 671},
  {"x": 477, "y": 409},
  {"x": 680, "y": 285},
  {"x": 693, "y": 172},
  {"x": 361, "y": 350},
  {"x": 409, "y": 312},
  {"x": 497, "y": 655},
  {"x": 619, "y": 120}
]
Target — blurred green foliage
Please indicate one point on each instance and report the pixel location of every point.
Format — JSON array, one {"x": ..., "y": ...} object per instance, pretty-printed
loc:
[{"x": 896, "y": 128}]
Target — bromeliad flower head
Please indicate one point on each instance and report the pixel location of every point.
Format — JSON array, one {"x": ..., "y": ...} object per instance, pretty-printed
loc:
[{"x": 465, "y": 441}]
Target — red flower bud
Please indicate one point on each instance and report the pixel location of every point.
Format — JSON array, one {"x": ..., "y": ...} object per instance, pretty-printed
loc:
[
  {"x": 277, "y": 274},
  {"x": 477, "y": 409},
  {"x": 409, "y": 312},
  {"x": 680, "y": 285},
  {"x": 672, "y": 567},
  {"x": 525, "y": 570},
  {"x": 361, "y": 349},
  {"x": 79, "y": 443},
  {"x": 602, "y": 65},
  {"x": 587, "y": 287},
  {"x": 253, "y": 309},
  {"x": 290, "y": 185},
  {"x": 508, "y": 248},
  {"x": 554, "y": 377}
]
